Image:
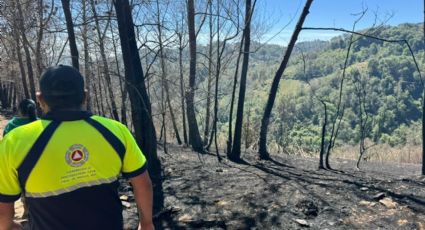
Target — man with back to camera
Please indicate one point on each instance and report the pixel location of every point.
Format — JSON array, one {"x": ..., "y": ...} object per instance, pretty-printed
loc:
[{"x": 67, "y": 164}]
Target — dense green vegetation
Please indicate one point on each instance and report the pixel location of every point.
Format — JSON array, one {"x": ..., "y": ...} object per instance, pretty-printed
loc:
[{"x": 382, "y": 74}]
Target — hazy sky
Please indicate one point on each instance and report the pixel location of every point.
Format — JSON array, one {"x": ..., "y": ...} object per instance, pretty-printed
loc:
[{"x": 333, "y": 13}]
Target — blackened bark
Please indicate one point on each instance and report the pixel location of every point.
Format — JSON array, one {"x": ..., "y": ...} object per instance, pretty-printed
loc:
[
  {"x": 15, "y": 94},
  {"x": 100, "y": 97},
  {"x": 182, "y": 95},
  {"x": 173, "y": 117},
  {"x": 139, "y": 99},
  {"x": 71, "y": 34},
  {"x": 96, "y": 98},
  {"x": 232, "y": 100},
  {"x": 236, "y": 149},
  {"x": 423, "y": 132},
  {"x": 210, "y": 74},
  {"x": 423, "y": 114},
  {"x": 217, "y": 77},
  {"x": 194, "y": 137},
  {"x": 323, "y": 137},
  {"x": 140, "y": 103},
  {"x": 263, "y": 154},
  {"x": 87, "y": 72},
  {"x": 38, "y": 57}
]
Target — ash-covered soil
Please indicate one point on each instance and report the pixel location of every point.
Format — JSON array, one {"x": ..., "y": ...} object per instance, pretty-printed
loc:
[{"x": 287, "y": 193}]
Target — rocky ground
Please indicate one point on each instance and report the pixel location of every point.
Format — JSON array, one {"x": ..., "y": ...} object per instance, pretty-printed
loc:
[{"x": 287, "y": 193}]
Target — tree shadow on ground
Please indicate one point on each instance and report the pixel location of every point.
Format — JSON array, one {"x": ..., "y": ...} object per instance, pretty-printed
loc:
[
  {"x": 272, "y": 194},
  {"x": 416, "y": 203}
]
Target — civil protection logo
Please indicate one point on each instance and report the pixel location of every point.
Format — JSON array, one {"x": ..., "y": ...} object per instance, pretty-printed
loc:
[{"x": 76, "y": 155}]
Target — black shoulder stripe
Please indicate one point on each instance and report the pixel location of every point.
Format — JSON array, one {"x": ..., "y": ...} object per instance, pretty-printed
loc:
[
  {"x": 109, "y": 136},
  {"x": 136, "y": 172},
  {"x": 9, "y": 198},
  {"x": 35, "y": 152}
]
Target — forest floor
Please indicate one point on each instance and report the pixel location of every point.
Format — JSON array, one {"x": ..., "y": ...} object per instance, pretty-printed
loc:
[{"x": 286, "y": 193}]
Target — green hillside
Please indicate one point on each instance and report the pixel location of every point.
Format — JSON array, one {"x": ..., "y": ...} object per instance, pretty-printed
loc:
[{"x": 383, "y": 73}]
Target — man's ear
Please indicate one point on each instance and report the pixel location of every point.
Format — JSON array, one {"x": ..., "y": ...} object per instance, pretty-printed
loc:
[
  {"x": 40, "y": 98},
  {"x": 42, "y": 102}
]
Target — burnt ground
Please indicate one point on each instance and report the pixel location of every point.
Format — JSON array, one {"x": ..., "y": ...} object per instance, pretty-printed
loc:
[{"x": 286, "y": 193}]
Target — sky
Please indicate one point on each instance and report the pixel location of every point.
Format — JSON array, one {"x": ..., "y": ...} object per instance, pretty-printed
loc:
[{"x": 282, "y": 15}]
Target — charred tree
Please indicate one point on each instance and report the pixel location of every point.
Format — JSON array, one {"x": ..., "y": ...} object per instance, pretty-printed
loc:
[
  {"x": 38, "y": 57},
  {"x": 87, "y": 72},
  {"x": 236, "y": 149},
  {"x": 71, "y": 35},
  {"x": 194, "y": 137},
  {"x": 140, "y": 103},
  {"x": 232, "y": 100},
  {"x": 182, "y": 91},
  {"x": 423, "y": 113},
  {"x": 263, "y": 154},
  {"x": 323, "y": 136},
  {"x": 210, "y": 75}
]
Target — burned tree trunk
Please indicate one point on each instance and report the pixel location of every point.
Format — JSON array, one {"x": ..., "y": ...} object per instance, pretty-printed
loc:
[
  {"x": 423, "y": 113},
  {"x": 139, "y": 98},
  {"x": 140, "y": 103},
  {"x": 38, "y": 57},
  {"x": 263, "y": 154},
  {"x": 323, "y": 137},
  {"x": 210, "y": 75},
  {"x": 194, "y": 137},
  {"x": 87, "y": 72},
  {"x": 71, "y": 34},
  {"x": 236, "y": 150},
  {"x": 182, "y": 87},
  {"x": 232, "y": 100}
]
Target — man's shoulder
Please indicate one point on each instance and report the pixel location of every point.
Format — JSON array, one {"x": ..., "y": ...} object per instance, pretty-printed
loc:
[
  {"x": 18, "y": 141},
  {"x": 117, "y": 128},
  {"x": 111, "y": 124},
  {"x": 107, "y": 121},
  {"x": 30, "y": 129}
]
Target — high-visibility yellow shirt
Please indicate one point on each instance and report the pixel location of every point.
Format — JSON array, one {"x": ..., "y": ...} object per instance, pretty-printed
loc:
[{"x": 67, "y": 165}]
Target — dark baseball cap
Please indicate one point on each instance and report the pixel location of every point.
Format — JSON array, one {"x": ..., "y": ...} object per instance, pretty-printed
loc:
[{"x": 60, "y": 81}]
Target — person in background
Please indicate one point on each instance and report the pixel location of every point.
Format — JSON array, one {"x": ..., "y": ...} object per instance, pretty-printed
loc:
[{"x": 27, "y": 113}]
